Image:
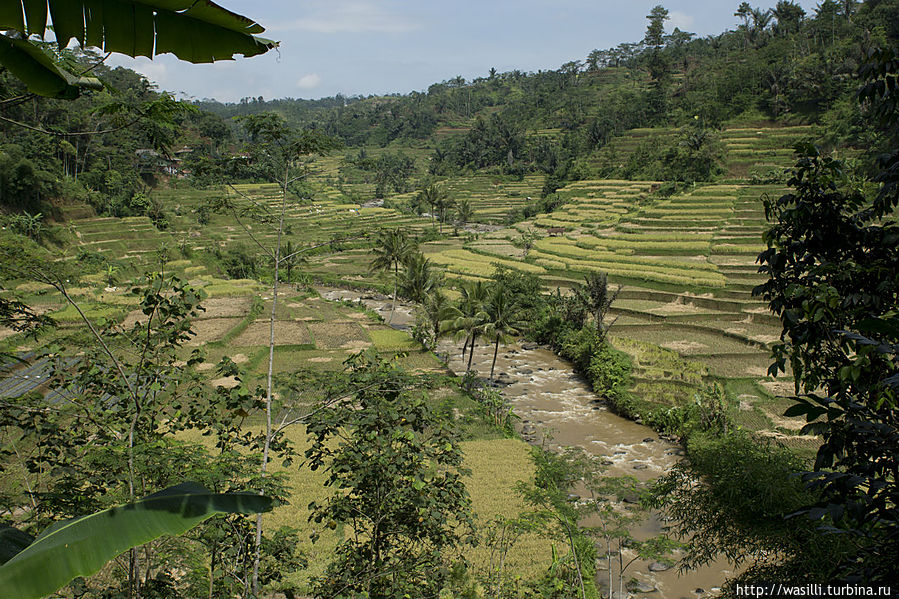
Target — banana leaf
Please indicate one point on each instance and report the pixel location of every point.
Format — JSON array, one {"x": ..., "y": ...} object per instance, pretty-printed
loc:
[
  {"x": 38, "y": 72},
  {"x": 81, "y": 546}
]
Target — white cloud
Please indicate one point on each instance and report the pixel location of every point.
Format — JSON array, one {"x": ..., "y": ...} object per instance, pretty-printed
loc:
[
  {"x": 310, "y": 81},
  {"x": 680, "y": 20},
  {"x": 349, "y": 16}
]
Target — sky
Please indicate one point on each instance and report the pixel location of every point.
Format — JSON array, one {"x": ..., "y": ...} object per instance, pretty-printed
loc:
[{"x": 365, "y": 47}]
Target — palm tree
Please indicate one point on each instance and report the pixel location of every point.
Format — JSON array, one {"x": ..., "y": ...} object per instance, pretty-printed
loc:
[
  {"x": 419, "y": 279},
  {"x": 467, "y": 317},
  {"x": 444, "y": 205},
  {"x": 464, "y": 211},
  {"x": 434, "y": 196},
  {"x": 392, "y": 248},
  {"x": 502, "y": 321},
  {"x": 435, "y": 307}
]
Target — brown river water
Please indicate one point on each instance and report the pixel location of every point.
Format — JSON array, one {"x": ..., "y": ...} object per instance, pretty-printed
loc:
[{"x": 556, "y": 407}]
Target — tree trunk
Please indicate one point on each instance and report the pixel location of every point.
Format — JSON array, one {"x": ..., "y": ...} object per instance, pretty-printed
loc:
[
  {"x": 474, "y": 338},
  {"x": 268, "y": 388},
  {"x": 396, "y": 278},
  {"x": 495, "y": 351}
]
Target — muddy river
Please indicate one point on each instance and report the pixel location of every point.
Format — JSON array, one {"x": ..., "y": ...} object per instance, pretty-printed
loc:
[{"x": 557, "y": 407}]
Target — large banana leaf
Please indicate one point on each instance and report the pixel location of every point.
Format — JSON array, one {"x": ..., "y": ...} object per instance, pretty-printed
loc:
[
  {"x": 80, "y": 547},
  {"x": 37, "y": 71},
  {"x": 192, "y": 30}
]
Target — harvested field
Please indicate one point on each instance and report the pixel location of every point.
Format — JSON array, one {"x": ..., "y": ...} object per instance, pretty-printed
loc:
[
  {"x": 211, "y": 329},
  {"x": 286, "y": 333},
  {"x": 334, "y": 335}
]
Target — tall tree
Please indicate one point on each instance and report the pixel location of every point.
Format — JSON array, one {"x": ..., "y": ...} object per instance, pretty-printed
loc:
[
  {"x": 833, "y": 264},
  {"x": 397, "y": 475},
  {"x": 278, "y": 153},
  {"x": 393, "y": 248},
  {"x": 502, "y": 321}
]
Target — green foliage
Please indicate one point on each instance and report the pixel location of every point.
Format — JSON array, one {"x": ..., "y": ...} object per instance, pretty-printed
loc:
[
  {"x": 29, "y": 225},
  {"x": 137, "y": 29},
  {"x": 420, "y": 279},
  {"x": 398, "y": 486},
  {"x": 238, "y": 262},
  {"x": 706, "y": 414},
  {"x": 80, "y": 547},
  {"x": 23, "y": 184},
  {"x": 834, "y": 274},
  {"x": 746, "y": 489}
]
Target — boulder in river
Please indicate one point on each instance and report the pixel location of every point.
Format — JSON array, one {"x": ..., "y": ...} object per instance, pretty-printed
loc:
[
  {"x": 529, "y": 345},
  {"x": 658, "y": 567},
  {"x": 638, "y": 586}
]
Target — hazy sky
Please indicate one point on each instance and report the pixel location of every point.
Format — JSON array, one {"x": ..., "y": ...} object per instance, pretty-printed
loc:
[{"x": 383, "y": 46}]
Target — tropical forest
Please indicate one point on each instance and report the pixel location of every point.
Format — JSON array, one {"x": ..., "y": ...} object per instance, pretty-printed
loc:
[{"x": 626, "y": 328}]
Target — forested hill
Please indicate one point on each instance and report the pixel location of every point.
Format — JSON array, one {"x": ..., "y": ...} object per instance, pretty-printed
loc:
[{"x": 779, "y": 64}]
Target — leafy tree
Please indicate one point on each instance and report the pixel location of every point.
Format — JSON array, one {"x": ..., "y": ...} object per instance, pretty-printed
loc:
[
  {"x": 789, "y": 15},
  {"x": 597, "y": 298},
  {"x": 730, "y": 499},
  {"x": 280, "y": 154},
  {"x": 834, "y": 276},
  {"x": 397, "y": 476},
  {"x": 464, "y": 212},
  {"x": 432, "y": 313}
]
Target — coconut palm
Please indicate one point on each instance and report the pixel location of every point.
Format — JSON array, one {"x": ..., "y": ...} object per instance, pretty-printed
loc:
[
  {"x": 435, "y": 308},
  {"x": 419, "y": 278},
  {"x": 392, "y": 248},
  {"x": 434, "y": 196},
  {"x": 464, "y": 212},
  {"x": 502, "y": 322},
  {"x": 467, "y": 317}
]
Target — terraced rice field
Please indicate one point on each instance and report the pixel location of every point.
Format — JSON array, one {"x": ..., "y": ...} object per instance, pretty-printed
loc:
[
  {"x": 757, "y": 150},
  {"x": 687, "y": 266},
  {"x": 494, "y": 197},
  {"x": 687, "y": 262}
]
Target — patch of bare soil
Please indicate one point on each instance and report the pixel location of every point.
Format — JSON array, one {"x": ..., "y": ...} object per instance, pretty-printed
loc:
[
  {"x": 756, "y": 371},
  {"x": 211, "y": 329},
  {"x": 675, "y": 307},
  {"x": 225, "y": 307},
  {"x": 779, "y": 420},
  {"x": 286, "y": 333},
  {"x": 778, "y": 388},
  {"x": 685, "y": 347},
  {"x": 227, "y": 382},
  {"x": 334, "y": 335},
  {"x": 320, "y": 359},
  {"x": 239, "y": 358},
  {"x": 356, "y": 345}
]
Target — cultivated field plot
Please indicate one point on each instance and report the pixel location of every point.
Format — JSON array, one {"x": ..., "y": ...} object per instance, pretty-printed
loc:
[
  {"x": 759, "y": 150},
  {"x": 493, "y": 197}
]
